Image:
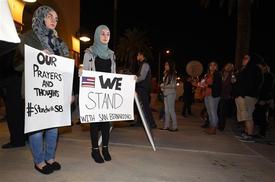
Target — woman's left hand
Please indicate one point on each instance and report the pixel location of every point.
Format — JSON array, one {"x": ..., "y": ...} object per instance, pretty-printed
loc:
[{"x": 72, "y": 99}]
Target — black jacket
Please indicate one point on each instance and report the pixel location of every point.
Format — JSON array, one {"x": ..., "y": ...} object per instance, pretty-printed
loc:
[
  {"x": 216, "y": 85},
  {"x": 266, "y": 89},
  {"x": 249, "y": 81}
]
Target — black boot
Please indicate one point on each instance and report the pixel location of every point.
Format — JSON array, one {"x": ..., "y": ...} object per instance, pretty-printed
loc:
[
  {"x": 106, "y": 154},
  {"x": 96, "y": 155}
]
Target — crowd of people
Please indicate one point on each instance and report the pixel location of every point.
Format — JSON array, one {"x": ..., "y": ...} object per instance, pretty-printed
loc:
[
  {"x": 251, "y": 87},
  {"x": 246, "y": 94}
]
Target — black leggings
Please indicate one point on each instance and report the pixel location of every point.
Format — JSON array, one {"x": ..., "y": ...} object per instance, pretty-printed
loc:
[{"x": 104, "y": 128}]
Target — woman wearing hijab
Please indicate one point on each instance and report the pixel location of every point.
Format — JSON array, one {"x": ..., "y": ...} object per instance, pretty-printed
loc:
[
  {"x": 99, "y": 57},
  {"x": 43, "y": 36}
]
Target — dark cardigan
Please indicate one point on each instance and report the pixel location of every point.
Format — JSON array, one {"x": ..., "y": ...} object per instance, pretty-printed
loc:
[{"x": 216, "y": 85}]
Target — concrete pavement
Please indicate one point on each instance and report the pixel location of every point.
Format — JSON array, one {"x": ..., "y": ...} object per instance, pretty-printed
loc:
[{"x": 188, "y": 155}]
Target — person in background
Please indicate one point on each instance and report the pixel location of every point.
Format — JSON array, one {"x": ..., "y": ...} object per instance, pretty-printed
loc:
[
  {"x": 43, "y": 36},
  {"x": 10, "y": 87},
  {"x": 204, "y": 117},
  {"x": 143, "y": 88},
  {"x": 161, "y": 105},
  {"x": 169, "y": 94},
  {"x": 188, "y": 96},
  {"x": 212, "y": 84},
  {"x": 10, "y": 80},
  {"x": 261, "y": 112},
  {"x": 75, "y": 103},
  {"x": 246, "y": 91},
  {"x": 8, "y": 35},
  {"x": 99, "y": 57},
  {"x": 225, "y": 100}
]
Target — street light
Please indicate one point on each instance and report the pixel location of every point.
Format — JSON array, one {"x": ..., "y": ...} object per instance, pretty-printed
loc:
[
  {"x": 84, "y": 38},
  {"x": 29, "y": 1}
]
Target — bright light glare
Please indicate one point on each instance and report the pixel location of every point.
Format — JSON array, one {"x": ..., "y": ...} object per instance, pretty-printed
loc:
[
  {"x": 29, "y": 1},
  {"x": 85, "y": 39}
]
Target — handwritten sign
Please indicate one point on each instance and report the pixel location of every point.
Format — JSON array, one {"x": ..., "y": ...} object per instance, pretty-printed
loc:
[
  {"x": 106, "y": 97},
  {"x": 48, "y": 90}
]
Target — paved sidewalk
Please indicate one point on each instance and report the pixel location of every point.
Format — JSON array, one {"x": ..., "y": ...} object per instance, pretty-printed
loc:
[{"x": 188, "y": 155}]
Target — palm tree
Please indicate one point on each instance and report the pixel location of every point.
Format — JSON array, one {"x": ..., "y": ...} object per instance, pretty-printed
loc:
[
  {"x": 243, "y": 25},
  {"x": 128, "y": 46},
  {"x": 243, "y": 30}
]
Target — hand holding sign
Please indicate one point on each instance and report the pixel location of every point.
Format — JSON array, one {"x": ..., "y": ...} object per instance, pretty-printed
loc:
[
  {"x": 106, "y": 97},
  {"x": 48, "y": 90},
  {"x": 46, "y": 51}
]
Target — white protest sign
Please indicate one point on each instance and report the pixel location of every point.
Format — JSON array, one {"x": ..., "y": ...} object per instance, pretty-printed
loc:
[
  {"x": 48, "y": 90},
  {"x": 8, "y": 31},
  {"x": 106, "y": 97}
]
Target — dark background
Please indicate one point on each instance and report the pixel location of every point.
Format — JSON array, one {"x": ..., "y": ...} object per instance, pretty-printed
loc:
[{"x": 191, "y": 31}]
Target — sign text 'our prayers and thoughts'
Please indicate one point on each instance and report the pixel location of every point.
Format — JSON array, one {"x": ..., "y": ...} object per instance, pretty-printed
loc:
[
  {"x": 106, "y": 97},
  {"x": 48, "y": 89}
]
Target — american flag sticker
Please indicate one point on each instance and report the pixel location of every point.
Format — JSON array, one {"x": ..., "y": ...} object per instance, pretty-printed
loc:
[{"x": 88, "y": 82}]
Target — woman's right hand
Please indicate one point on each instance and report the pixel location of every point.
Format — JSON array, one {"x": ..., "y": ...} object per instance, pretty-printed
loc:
[
  {"x": 80, "y": 72},
  {"x": 47, "y": 51},
  {"x": 202, "y": 83}
]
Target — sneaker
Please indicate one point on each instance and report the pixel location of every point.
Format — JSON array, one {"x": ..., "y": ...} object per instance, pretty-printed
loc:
[
  {"x": 247, "y": 139},
  {"x": 240, "y": 136}
]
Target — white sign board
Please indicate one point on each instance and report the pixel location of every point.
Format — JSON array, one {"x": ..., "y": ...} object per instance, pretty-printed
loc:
[
  {"x": 7, "y": 28},
  {"x": 106, "y": 97},
  {"x": 48, "y": 90}
]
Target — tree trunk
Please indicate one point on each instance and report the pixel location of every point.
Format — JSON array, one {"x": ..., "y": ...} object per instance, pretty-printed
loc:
[{"x": 243, "y": 30}]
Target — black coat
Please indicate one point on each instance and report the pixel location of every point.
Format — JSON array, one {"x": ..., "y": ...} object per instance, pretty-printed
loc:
[
  {"x": 216, "y": 85},
  {"x": 249, "y": 81},
  {"x": 266, "y": 89},
  {"x": 187, "y": 91}
]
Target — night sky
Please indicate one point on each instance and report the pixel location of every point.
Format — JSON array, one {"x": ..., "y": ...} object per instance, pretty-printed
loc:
[{"x": 188, "y": 29}]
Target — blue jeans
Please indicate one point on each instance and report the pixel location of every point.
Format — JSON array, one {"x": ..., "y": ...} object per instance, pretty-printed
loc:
[
  {"x": 169, "y": 106},
  {"x": 43, "y": 150},
  {"x": 211, "y": 104}
]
